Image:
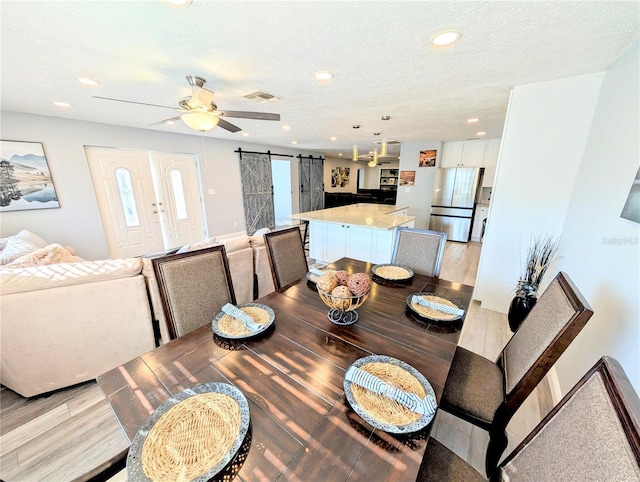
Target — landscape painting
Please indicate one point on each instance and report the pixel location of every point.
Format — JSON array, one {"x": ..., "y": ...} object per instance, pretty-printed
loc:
[{"x": 25, "y": 180}]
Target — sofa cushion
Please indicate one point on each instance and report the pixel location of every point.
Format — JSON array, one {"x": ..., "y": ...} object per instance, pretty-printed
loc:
[
  {"x": 65, "y": 274},
  {"x": 257, "y": 239},
  {"x": 207, "y": 243},
  {"x": 235, "y": 244},
  {"x": 50, "y": 254},
  {"x": 20, "y": 244}
]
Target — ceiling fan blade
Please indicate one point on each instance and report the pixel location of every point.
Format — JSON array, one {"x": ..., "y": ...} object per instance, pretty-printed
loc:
[
  {"x": 133, "y": 102},
  {"x": 228, "y": 126},
  {"x": 240, "y": 114},
  {"x": 171, "y": 119}
]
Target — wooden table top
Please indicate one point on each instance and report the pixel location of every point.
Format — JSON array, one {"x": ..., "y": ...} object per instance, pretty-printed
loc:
[{"x": 302, "y": 426}]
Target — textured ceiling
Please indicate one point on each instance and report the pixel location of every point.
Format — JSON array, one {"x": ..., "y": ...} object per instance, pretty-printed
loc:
[{"x": 380, "y": 54}]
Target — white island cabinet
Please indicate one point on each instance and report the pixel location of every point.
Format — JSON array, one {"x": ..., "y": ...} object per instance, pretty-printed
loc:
[{"x": 365, "y": 232}]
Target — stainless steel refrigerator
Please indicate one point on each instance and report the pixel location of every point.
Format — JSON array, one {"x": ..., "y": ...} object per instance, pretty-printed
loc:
[{"x": 453, "y": 202}]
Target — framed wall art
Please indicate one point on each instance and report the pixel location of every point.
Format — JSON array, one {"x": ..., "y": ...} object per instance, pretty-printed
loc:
[
  {"x": 25, "y": 179},
  {"x": 407, "y": 178},
  {"x": 428, "y": 158},
  {"x": 340, "y": 176}
]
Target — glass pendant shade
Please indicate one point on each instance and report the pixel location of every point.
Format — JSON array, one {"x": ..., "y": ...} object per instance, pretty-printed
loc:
[
  {"x": 200, "y": 121},
  {"x": 383, "y": 148},
  {"x": 355, "y": 153},
  {"x": 375, "y": 156}
]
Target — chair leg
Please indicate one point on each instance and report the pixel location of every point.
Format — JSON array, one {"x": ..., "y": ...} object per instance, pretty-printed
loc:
[{"x": 497, "y": 444}]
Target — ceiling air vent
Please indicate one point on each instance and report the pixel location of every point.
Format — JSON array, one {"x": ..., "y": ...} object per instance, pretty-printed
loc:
[{"x": 262, "y": 97}]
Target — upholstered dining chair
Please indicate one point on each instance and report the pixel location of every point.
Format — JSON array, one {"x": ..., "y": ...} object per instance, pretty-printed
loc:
[
  {"x": 193, "y": 287},
  {"x": 591, "y": 434},
  {"x": 286, "y": 256},
  {"x": 419, "y": 249},
  {"x": 488, "y": 394}
]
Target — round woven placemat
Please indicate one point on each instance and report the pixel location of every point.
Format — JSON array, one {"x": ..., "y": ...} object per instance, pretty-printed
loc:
[
  {"x": 231, "y": 326},
  {"x": 383, "y": 408},
  {"x": 430, "y": 312},
  {"x": 191, "y": 437},
  {"x": 393, "y": 272}
]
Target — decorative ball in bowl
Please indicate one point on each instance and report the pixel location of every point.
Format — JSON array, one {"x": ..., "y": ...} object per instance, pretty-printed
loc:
[{"x": 343, "y": 293}]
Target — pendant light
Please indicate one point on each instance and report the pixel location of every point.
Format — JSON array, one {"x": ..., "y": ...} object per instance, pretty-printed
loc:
[
  {"x": 383, "y": 148},
  {"x": 354, "y": 156}
]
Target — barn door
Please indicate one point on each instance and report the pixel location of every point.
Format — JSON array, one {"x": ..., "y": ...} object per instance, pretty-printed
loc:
[{"x": 257, "y": 191}]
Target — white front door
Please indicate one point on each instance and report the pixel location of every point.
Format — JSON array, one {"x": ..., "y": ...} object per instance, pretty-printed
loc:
[
  {"x": 149, "y": 202},
  {"x": 176, "y": 185}
]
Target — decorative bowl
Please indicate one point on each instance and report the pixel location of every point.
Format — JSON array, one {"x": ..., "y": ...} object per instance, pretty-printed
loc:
[{"x": 342, "y": 308}]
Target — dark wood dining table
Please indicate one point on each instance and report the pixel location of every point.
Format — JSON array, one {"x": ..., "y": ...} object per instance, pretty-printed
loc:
[{"x": 303, "y": 429}]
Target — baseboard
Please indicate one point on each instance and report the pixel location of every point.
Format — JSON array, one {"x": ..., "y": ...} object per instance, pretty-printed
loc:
[{"x": 554, "y": 385}]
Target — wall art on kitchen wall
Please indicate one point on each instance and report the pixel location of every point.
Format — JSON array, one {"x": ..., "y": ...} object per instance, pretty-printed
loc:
[
  {"x": 407, "y": 178},
  {"x": 340, "y": 176},
  {"x": 25, "y": 179},
  {"x": 428, "y": 158},
  {"x": 631, "y": 209}
]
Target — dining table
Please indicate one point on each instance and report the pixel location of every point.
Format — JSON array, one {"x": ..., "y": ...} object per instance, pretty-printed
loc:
[{"x": 302, "y": 425}]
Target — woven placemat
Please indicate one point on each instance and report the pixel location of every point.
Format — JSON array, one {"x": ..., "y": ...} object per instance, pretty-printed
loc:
[
  {"x": 430, "y": 312},
  {"x": 231, "y": 326},
  {"x": 383, "y": 408},
  {"x": 392, "y": 272},
  {"x": 191, "y": 437}
]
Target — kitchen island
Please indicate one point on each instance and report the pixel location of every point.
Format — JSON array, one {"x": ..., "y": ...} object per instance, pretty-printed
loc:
[{"x": 365, "y": 232}]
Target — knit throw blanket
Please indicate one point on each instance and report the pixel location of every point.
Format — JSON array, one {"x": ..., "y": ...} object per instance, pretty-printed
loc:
[{"x": 51, "y": 254}]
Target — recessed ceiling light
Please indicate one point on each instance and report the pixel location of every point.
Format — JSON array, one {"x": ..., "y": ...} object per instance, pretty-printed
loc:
[
  {"x": 170, "y": 122},
  {"x": 481, "y": 133},
  {"x": 340, "y": 153},
  {"x": 89, "y": 82},
  {"x": 473, "y": 120},
  {"x": 62, "y": 104},
  {"x": 245, "y": 134},
  {"x": 334, "y": 138},
  {"x": 178, "y": 3},
  {"x": 286, "y": 127},
  {"x": 294, "y": 142},
  {"x": 323, "y": 75},
  {"x": 445, "y": 38}
]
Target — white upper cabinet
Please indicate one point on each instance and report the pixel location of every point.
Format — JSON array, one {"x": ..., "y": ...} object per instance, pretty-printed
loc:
[
  {"x": 451, "y": 154},
  {"x": 490, "y": 161},
  {"x": 463, "y": 153}
]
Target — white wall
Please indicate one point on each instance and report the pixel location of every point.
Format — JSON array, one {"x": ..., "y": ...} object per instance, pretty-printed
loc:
[
  {"x": 418, "y": 197},
  {"x": 543, "y": 143},
  {"x": 602, "y": 254},
  {"x": 77, "y": 223}
]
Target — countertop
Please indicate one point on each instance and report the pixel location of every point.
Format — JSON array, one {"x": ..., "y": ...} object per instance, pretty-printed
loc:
[{"x": 375, "y": 216}]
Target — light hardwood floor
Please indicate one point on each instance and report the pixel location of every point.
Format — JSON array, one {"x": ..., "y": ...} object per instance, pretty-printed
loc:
[{"x": 65, "y": 435}]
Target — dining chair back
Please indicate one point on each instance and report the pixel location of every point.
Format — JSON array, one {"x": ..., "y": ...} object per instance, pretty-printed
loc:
[
  {"x": 593, "y": 433},
  {"x": 488, "y": 394},
  {"x": 286, "y": 256},
  {"x": 421, "y": 250},
  {"x": 193, "y": 287}
]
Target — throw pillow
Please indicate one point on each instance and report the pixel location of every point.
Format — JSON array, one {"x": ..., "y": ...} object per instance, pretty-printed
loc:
[{"x": 20, "y": 244}]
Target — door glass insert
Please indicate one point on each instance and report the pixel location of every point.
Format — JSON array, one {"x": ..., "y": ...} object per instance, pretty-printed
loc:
[
  {"x": 178, "y": 194},
  {"x": 127, "y": 197}
]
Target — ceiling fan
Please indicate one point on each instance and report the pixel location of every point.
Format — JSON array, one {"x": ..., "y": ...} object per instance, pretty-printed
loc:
[{"x": 200, "y": 112}]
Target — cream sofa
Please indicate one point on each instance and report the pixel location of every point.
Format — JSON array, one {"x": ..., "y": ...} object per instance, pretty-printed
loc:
[
  {"x": 248, "y": 265},
  {"x": 67, "y": 323}
]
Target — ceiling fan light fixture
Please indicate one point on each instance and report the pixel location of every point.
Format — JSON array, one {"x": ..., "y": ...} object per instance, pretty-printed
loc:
[
  {"x": 200, "y": 121},
  {"x": 372, "y": 163},
  {"x": 178, "y": 3}
]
